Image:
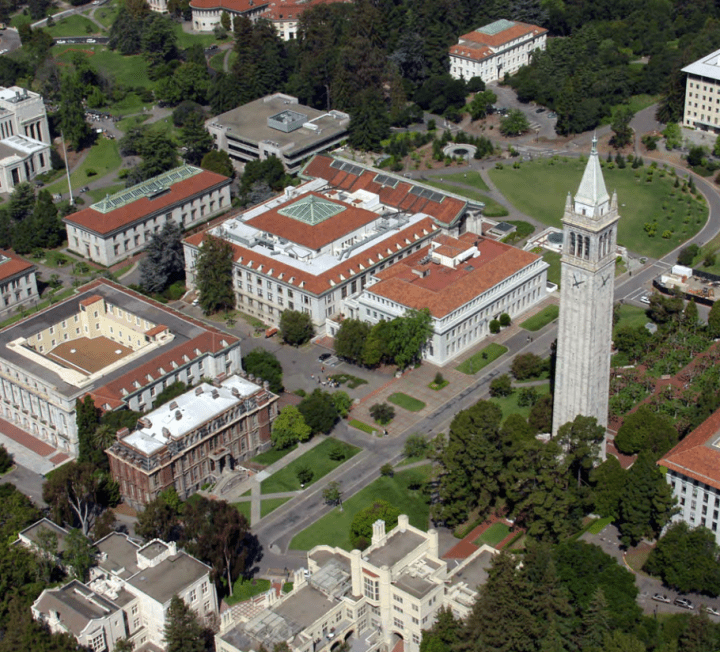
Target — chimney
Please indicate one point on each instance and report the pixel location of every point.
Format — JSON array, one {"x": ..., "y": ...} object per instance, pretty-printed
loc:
[
  {"x": 266, "y": 384},
  {"x": 235, "y": 392},
  {"x": 173, "y": 405},
  {"x": 123, "y": 432},
  {"x": 215, "y": 394},
  {"x": 378, "y": 534},
  {"x": 178, "y": 415},
  {"x": 198, "y": 391}
]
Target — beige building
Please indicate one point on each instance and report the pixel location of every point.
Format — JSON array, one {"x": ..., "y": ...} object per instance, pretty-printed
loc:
[
  {"x": 372, "y": 599},
  {"x": 702, "y": 93},
  {"x": 123, "y": 224},
  {"x": 128, "y": 595},
  {"x": 18, "y": 283},
  {"x": 495, "y": 50}
]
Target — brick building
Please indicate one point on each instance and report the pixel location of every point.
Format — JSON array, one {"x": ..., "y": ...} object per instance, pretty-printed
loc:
[{"x": 191, "y": 440}]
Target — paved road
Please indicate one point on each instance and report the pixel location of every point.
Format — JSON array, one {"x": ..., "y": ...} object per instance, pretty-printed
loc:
[
  {"x": 29, "y": 482},
  {"x": 10, "y": 39}
]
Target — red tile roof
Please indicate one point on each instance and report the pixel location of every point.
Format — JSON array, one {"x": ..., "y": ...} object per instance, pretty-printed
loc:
[
  {"x": 472, "y": 51},
  {"x": 90, "y": 300},
  {"x": 156, "y": 330},
  {"x": 237, "y": 6},
  {"x": 292, "y": 10},
  {"x": 15, "y": 265},
  {"x": 317, "y": 284},
  {"x": 695, "y": 456},
  {"x": 445, "y": 289},
  {"x": 103, "y": 223},
  {"x": 318, "y": 235},
  {"x": 501, "y": 38},
  {"x": 445, "y": 212}
]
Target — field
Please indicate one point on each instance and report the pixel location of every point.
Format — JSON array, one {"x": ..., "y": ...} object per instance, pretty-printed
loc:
[
  {"x": 333, "y": 529},
  {"x": 74, "y": 26},
  {"x": 631, "y": 316},
  {"x": 492, "y": 208},
  {"x": 656, "y": 203},
  {"x": 554, "y": 271},
  {"x": 493, "y": 535},
  {"x": 406, "y": 402},
  {"x": 317, "y": 459},
  {"x": 104, "y": 158},
  {"x": 130, "y": 71},
  {"x": 509, "y": 404},
  {"x": 481, "y": 359},
  {"x": 270, "y": 505},
  {"x": 273, "y": 455},
  {"x": 541, "y": 319}
]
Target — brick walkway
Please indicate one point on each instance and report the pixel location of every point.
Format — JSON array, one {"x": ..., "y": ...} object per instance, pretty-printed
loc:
[
  {"x": 466, "y": 546},
  {"x": 30, "y": 451}
]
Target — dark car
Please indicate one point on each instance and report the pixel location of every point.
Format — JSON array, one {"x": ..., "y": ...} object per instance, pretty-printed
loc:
[
  {"x": 540, "y": 110},
  {"x": 325, "y": 356}
]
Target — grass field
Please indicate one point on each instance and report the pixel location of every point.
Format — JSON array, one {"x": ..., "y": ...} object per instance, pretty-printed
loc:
[
  {"x": 104, "y": 158},
  {"x": 470, "y": 178},
  {"x": 245, "y": 589},
  {"x": 361, "y": 425},
  {"x": 493, "y": 535},
  {"x": 131, "y": 70},
  {"x": 406, "y": 402},
  {"x": 244, "y": 508},
  {"x": 631, "y": 316},
  {"x": 598, "y": 526},
  {"x": 554, "y": 271},
  {"x": 334, "y": 528},
  {"x": 273, "y": 455},
  {"x": 509, "y": 404},
  {"x": 106, "y": 14},
  {"x": 492, "y": 208},
  {"x": 74, "y": 26},
  {"x": 640, "y": 202},
  {"x": 481, "y": 359},
  {"x": 270, "y": 505},
  {"x": 185, "y": 40},
  {"x": 317, "y": 459},
  {"x": 542, "y": 319},
  {"x": 130, "y": 104}
]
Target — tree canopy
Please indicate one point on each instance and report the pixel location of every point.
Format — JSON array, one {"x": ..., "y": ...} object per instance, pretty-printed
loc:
[
  {"x": 264, "y": 365},
  {"x": 164, "y": 261},
  {"x": 296, "y": 327},
  {"x": 213, "y": 275},
  {"x": 289, "y": 428},
  {"x": 361, "y": 528}
]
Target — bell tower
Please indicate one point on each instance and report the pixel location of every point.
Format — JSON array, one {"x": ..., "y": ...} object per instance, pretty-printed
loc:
[{"x": 582, "y": 372}]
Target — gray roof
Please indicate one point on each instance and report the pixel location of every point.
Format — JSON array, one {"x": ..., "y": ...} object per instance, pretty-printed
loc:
[
  {"x": 398, "y": 545},
  {"x": 32, "y": 532},
  {"x": 121, "y": 559},
  {"x": 708, "y": 66},
  {"x": 415, "y": 586},
  {"x": 474, "y": 573},
  {"x": 169, "y": 577},
  {"x": 592, "y": 189},
  {"x": 303, "y": 607}
]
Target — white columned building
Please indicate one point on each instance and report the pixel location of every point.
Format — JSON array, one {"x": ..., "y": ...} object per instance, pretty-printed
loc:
[{"x": 582, "y": 380}]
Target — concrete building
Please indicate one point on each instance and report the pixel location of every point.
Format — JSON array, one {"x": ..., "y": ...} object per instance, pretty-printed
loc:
[
  {"x": 128, "y": 595},
  {"x": 107, "y": 341},
  {"x": 277, "y": 125},
  {"x": 121, "y": 225},
  {"x": 702, "y": 93},
  {"x": 495, "y": 50},
  {"x": 190, "y": 441},
  {"x": 465, "y": 282},
  {"x": 18, "y": 283},
  {"x": 693, "y": 472},
  {"x": 318, "y": 244},
  {"x": 582, "y": 380},
  {"x": 22, "y": 159},
  {"x": 372, "y": 599}
]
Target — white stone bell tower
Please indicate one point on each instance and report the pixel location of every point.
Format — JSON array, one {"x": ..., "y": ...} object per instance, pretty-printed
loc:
[{"x": 582, "y": 374}]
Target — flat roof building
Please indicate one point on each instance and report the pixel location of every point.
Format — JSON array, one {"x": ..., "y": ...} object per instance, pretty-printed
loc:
[
  {"x": 497, "y": 49},
  {"x": 120, "y": 347},
  {"x": 277, "y": 125},
  {"x": 702, "y": 93}
]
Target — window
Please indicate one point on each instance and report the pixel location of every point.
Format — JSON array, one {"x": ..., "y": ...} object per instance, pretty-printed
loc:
[
  {"x": 398, "y": 623},
  {"x": 372, "y": 589},
  {"x": 204, "y": 588},
  {"x": 416, "y": 639},
  {"x": 193, "y": 595},
  {"x": 97, "y": 643}
]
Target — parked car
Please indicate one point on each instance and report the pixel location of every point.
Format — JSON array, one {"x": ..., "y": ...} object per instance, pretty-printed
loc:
[
  {"x": 324, "y": 356},
  {"x": 712, "y": 611},
  {"x": 552, "y": 115},
  {"x": 645, "y": 299},
  {"x": 684, "y": 603},
  {"x": 661, "y": 597},
  {"x": 84, "y": 189},
  {"x": 540, "y": 110}
]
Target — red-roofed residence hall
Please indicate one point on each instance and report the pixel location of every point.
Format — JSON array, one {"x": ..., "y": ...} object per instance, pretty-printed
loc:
[
  {"x": 495, "y": 50},
  {"x": 107, "y": 341},
  {"x": 18, "y": 283},
  {"x": 122, "y": 224},
  {"x": 331, "y": 246},
  {"x": 693, "y": 471}
]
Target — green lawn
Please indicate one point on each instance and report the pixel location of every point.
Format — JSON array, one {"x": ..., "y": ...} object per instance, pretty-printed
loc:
[
  {"x": 244, "y": 508},
  {"x": 270, "y": 505},
  {"x": 317, "y": 459},
  {"x": 106, "y": 14},
  {"x": 553, "y": 259},
  {"x": 469, "y": 179},
  {"x": 509, "y": 404},
  {"x": 492, "y": 208},
  {"x": 493, "y": 535},
  {"x": 104, "y": 158},
  {"x": 334, "y": 528},
  {"x": 542, "y": 319},
  {"x": 20, "y": 19},
  {"x": 130, "y": 104},
  {"x": 185, "y": 40},
  {"x": 217, "y": 61},
  {"x": 406, "y": 402},
  {"x": 272, "y": 455},
  {"x": 74, "y": 25},
  {"x": 482, "y": 358},
  {"x": 245, "y": 589},
  {"x": 130, "y": 70},
  {"x": 598, "y": 526},
  {"x": 631, "y": 316},
  {"x": 361, "y": 425},
  {"x": 640, "y": 202}
]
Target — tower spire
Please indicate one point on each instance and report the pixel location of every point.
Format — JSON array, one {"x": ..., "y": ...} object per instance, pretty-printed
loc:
[{"x": 592, "y": 191}]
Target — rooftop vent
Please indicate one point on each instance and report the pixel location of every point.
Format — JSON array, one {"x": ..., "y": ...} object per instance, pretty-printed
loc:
[{"x": 178, "y": 415}]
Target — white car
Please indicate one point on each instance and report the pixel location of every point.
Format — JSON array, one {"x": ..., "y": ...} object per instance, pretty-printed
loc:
[
  {"x": 91, "y": 40},
  {"x": 712, "y": 611},
  {"x": 645, "y": 299}
]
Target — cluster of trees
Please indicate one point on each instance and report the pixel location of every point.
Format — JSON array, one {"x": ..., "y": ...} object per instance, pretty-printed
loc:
[
  {"x": 157, "y": 150},
  {"x": 399, "y": 341},
  {"x": 317, "y": 413},
  {"x": 645, "y": 430},
  {"x": 28, "y": 222},
  {"x": 164, "y": 261},
  {"x": 362, "y": 524},
  {"x": 264, "y": 365}
]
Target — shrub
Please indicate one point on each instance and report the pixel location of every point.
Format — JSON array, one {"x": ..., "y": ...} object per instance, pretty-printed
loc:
[
  {"x": 528, "y": 397},
  {"x": 505, "y": 320},
  {"x": 6, "y": 459},
  {"x": 304, "y": 474},
  {"x": 709, "y": 259},
  {"x": 438, "y": 380},
  {"x": 337, "y": 453},
  {"x": 362, "y": 524},
  {"x": 387, "y": 470},
  {"x": 687, "y": 255},
  {"x": 501, "y": 386},
  {"x": 90, "y": 172},
  {"x": 494, "y": 326},
  {"x": 382, "y": 413}
]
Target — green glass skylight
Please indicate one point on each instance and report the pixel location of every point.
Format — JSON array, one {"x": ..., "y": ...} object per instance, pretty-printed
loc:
[
  {"x": 311, "y": 210},
  {"x": 496, "y": 27}
]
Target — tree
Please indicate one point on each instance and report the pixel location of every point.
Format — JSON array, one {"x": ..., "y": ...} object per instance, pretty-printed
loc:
[
  {"x": 622, "y": 131},
  {"x": 416, "y": 446},
  {"x": 164, "y": 261},
  {"x": 304, "y": 474},
  {"x": 646, "y": 430},
  {"x": 332, "y": 494},
  {"x": 6, "y": 460},
  {"x": 527, "y": 365},
  {"x": 196, "y": 138},
  {"x": 580, "y": 441},
  {"x": 541, "y": 414},
  {"x": 289, "y": 428},
  {"x": 608, "y": 481},
  {"x": 264, "y": 365},
  {"x": 343, "y": 403},
  {"x": 350, "y": 340},
  {"x": 648, "y": 502},
  {"x": 714, "y": 320},
  {"x": 369, "y": 123},
  {"x": 72, "y": 115},
  {"x": 183, "y": 633},
  {"x": 213, "y": 274},
  {"x": 494, "y": 326},
  {"x": 688, "y": 254},
  {"x": 382, "y": 413},
  {"x": 76, "y": 492},
  {"x": 79, "y": 554},
  {"x": 361, "y": 527},
  {"x": 225, "y": 20},
  {"x": 218, "y": 161},
  {"x": 178, "y": 388},
  {"x": 387, "y": 470},
  {"x": 296, "y": 327},
  {"x": 514, "y": 123},
  {"x": 686, "y": 559},
  {"x": 501, "y": 386},
  {"x": 481, "y": 104},
  {"x": 319, "y": 411},
  {"x": 158, "y": 153},
  {"x": 87, "y": 418},
  {"x": 22, "y": 201},
  {"x": 123, "y": 645},
  {"x": 444, "y": 633},
  {"x": 505, "y": 320},
  {"x": 161, "y": 517},
  {"x": 596, "y": 623},
  {"x": 49, "y": 231}
]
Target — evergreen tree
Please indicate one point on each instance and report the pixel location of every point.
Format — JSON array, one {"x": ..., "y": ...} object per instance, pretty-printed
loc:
[
  {"x": 595, "y": 622},
  {"x": 580, "y": 441},
  {"x": 49, "y": 230},
  {"x": 218, "y": 161},
  {"x": 72, "y": 114},
  {"x": 164, "y": 261},
  {"x": 183, "y": 633},
  {"x": 369, "y": 122},
  {"x": 87, "y": 417},
  {"x": 608, "y": 480},
  {"x": 444, "y": 633},
  {"x": 213, "y": 275},
  {"x": 196, "y": 138},
  {"x": 296, "y": 327},
  {"x": 22, "y": 201},
  {"x": 223, "y": 93},
  {"x": 79, "y": 554}
]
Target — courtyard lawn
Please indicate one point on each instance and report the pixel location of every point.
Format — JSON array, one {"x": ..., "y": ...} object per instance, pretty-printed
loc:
[
  {"x": 406, "y": 402},
  {"x": 318, "y": 459},
  {"x": 361, "y": 425},
  {"x": 469, "y": 179},
  {"x": 667, "y": 211},
  {"x": 481, "y": 359},
  {"x": 185, "y": 39},
  {"x": 492, "y": 208},
  {"x": 630, "y": 316},
  {"x": 131, "y": 121},
  {"x": 270, "y": 505},
  {"x": 404, "y": 490},
  {"x": 542, "y": 319},
  {"x": 104, "y": 158},
  {"x": 245, "y": 589},
  {"x": 493, "y": 535},
  {"x": 509, "y": 404},
  {"x": 272, "y": 455},
  {"x": 554, "y": 271},
  {"x": 74, "y": 25},
  {"x": 244, "y": 508},
  {"x": 130, "y": 70}
]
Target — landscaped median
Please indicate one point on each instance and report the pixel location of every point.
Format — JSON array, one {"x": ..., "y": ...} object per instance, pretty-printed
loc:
[
  {"x": 406, "y": 402},
  {"x": 541, "y": 319},
  {"x": 482, "y": 358}
]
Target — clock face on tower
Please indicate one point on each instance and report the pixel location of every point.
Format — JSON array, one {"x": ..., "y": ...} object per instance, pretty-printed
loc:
[{"x": 578, "y": 280}]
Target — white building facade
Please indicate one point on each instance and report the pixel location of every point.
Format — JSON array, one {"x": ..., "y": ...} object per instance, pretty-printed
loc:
[
  {"x": 495, "y": 50},
  {"x": 18, "y": 282},
  {"x": 702, "y": 94}
]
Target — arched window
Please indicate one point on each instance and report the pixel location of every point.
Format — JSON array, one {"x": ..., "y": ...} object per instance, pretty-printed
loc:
[
  {"x": 587, "y": 247},
  {"x": 572, "y": 243}
]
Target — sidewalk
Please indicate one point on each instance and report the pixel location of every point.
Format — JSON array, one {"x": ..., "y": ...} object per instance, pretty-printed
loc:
[{"x": 29, "y": 451}]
